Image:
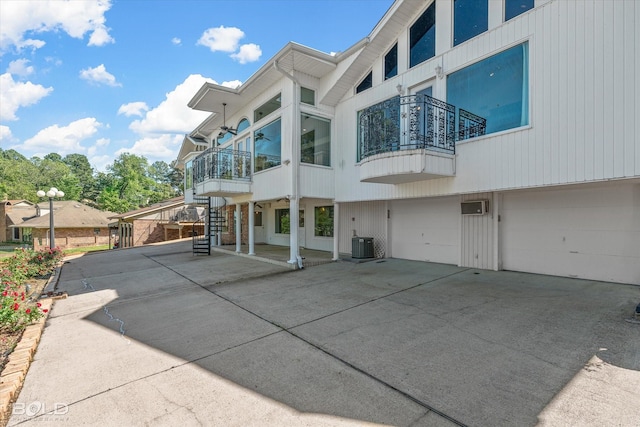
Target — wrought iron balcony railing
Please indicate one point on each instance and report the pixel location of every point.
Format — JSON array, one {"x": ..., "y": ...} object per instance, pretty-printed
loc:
[
  {"x": 222, "y": 163},
  {"x": 415, "y": 122}
]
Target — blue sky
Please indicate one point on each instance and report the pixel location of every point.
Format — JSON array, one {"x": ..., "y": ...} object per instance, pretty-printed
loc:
[{"x": 102, "y": 77}]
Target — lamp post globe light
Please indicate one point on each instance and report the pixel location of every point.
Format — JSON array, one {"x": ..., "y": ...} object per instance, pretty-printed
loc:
[{"x": 53, "y": 192}]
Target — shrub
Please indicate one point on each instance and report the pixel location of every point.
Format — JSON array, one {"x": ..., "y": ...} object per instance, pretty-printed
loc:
[{"x": 17, "y": 309}]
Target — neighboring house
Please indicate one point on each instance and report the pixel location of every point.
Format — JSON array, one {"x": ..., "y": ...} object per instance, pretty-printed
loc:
[
  {"x": 160, "y": 222},
  {"x": 75, "y": 224},
  {"x": 12, "y": 213},
  {"x": 491, "y": 134}
]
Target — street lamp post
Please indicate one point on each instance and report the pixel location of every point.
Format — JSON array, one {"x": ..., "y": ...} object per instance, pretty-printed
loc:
[{"x": 53, "y": 192}]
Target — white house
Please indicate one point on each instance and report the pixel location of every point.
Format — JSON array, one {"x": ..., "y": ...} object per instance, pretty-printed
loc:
[{"x": 493, "y": 134}]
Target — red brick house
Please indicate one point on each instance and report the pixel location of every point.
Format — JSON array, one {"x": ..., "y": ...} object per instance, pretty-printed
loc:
[
  {"x": 75, "y": 224},
  {"x": 167, "y": 220},
  {"x": 13, "y": 213}
]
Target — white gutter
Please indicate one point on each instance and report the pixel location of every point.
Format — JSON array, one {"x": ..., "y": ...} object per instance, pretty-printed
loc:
[{"x": 294, "y": 198}]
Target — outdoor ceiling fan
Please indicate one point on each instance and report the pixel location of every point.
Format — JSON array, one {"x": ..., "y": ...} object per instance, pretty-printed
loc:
[
  {"x": 224, "y": 128},
  {"x": 260, "y": 136}
]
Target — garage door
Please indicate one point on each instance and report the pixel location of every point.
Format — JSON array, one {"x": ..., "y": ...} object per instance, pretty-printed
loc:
[
  {"x": 425, "y": 229},
  {"x": 587, "y": 232}
]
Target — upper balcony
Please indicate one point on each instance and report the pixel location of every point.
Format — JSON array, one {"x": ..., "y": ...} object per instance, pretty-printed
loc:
[
  {"x": 222, "y": 172},
  {"x": 412, "y": 138}
]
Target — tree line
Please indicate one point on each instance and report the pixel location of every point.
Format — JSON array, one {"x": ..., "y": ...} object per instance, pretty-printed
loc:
[{"x": 129, "y": 183}]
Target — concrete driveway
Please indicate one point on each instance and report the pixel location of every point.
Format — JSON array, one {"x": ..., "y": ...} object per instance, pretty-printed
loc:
[{"x": 156, "y": 336}]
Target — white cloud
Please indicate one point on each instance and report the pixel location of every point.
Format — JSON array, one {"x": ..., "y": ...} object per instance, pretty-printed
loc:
[
  {"x": 63, "y": 140},
  {"x": 100, "y": 163},
  {"x": 176, "y": 41},
  {"x": 76, "y": 18},
  {"x": 221, "y": 39},
  {"x": 99, "y": 75},
  {"x": 247, "y": 53},
  {"x": 233, "y": 84},
  {"x": 133, "y": 109},
  {"x": 163, "y": 147},
  {"x": 100, "y": 143},
  {"x": 14, "y": 95},
  {"x": 173, "y": 115},
  {"x": 5, "y": 134},
  {"x": 20, "y": 67}
]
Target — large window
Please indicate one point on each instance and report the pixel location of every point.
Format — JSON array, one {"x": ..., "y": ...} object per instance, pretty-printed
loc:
[
  {"x": 422, "y": 37},
  {"x": 315, "y": 141},
  {"x": 391, "y": 63},
  {"x": 366, "y": 83},
  {"x": 267, "y": 146},
  {"x": 513, "y": 8},
  {"x": 267, "y": 108},
  {"x": 323, "y": 226},
  {"x": 283, "y": 221},
  {"x": 496, "y": 88},
  {"x": 470, "y": 18}
]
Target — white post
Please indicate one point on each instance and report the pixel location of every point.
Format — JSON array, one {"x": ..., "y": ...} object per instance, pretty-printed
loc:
[
  {"x": 251, "y": 227},
  {"x": 336, "y": 231},
  {"x": 238, "y": 229}
]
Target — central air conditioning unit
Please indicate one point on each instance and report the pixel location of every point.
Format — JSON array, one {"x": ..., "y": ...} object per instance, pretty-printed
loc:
[{"x": 475, "y": 207}]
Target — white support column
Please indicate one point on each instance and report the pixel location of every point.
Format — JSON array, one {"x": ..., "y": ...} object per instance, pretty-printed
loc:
[
  {"x": 294, "y": 222},
  {"x": 238, "y": 221},
  {"x": 251, "y": 228},
  {"x": 336, "y": 231}
]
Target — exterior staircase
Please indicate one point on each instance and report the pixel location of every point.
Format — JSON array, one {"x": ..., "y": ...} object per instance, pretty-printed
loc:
[{"x": 208, "y": 225}]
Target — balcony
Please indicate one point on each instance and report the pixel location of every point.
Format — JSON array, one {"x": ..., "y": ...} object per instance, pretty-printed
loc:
[
  {"x": 222, "y": 172},
  {"x": 412, "y": 138}
]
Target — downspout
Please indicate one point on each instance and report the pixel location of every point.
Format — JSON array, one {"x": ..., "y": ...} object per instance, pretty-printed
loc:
[{"x": 294, "y": 198}]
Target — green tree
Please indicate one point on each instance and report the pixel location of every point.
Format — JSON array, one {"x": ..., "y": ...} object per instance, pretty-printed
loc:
[{"x": 81, "y": 168}]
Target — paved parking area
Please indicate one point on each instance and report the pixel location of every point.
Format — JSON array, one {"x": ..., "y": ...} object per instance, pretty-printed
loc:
[{"x": 156, "y": 336}]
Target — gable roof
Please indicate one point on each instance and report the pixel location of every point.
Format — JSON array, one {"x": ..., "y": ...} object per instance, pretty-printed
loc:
[
  {"x": 166, "y": 204},
  {"x": 70, "y": 214}
]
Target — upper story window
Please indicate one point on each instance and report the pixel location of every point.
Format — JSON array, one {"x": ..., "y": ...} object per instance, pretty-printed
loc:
[
  {"x": 188, "y": 175},
  {"x": 223, "y": 137},
  {"x": 470, "y": 18},
  {"x": 267, "y": 141},
  {"x": 422, "y": 37},
  {"x": 243, "y": 125},
  {"x": 513, "y": 8},
  {"x": 496, "y": 88},
  {"x": 391, "y": 63},
  {"x": 315, "y": 140},
  {"x": 267, "y": 108},
  {"x": 366, "y": 83},
  {"x": 307, "y": 96}
]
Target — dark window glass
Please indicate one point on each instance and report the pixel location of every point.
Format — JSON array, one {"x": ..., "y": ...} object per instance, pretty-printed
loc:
[
  {"x": 366, "y": 83},
  {"x": 391, "y": 63},
  {"x": 323, "y": 226},
  {"x": 315, "y": 141},
  {"x": 470, "y": 18},
  {"x": 513, "y": 8},
  {"x": 307, "y": 96},
  {"x": 496, "y": 88},
  {"x": 267, "y": 146},
  {"x": 257, "y": 221},
  {"x": 422, "y": 37},
  {"x": 283, "y": 223},
  {"x": 267, "y": 108}
]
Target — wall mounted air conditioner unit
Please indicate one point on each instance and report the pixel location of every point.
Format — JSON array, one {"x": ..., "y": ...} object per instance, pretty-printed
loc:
[{"x": 475, "y": 207}]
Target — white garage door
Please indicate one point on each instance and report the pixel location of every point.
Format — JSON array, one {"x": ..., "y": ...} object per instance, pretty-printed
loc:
[
  {"x": 425, "y": 229},
  {"x": 586, "y": 232}
]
